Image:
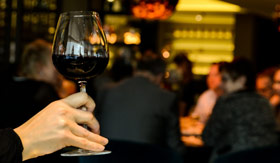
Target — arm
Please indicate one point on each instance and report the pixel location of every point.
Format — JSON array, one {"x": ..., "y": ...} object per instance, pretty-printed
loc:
[
  {"x": 56, "y": 127},
  {"x": 204, "y": 106}
]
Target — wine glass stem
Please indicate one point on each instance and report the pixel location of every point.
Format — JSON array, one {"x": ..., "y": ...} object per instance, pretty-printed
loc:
[{"x": 82, "y": 85}]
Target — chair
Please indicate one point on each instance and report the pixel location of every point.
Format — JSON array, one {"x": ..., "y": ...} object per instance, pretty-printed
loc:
[
  {"x": 269, "y": 154},
  {"x": 131, "y": 152}
]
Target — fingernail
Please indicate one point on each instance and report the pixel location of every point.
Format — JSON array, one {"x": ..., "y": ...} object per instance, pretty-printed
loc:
[
  {"x": 105, "y": 141},
  {"x": 100, "y": 147}
]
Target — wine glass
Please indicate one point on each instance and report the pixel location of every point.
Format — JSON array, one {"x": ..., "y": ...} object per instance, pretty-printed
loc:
[{"x": 80, "y": 52}]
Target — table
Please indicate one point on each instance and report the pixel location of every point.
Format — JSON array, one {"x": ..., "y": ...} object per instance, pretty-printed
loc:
[{"x": 191, "y": 130}]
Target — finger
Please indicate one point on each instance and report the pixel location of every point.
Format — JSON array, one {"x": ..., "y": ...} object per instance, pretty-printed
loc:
[
  {"x": 80, "y": 99},
  {"x": 82, "y": 117},
  {"x": 84, "y": 133},
  {"x": 83, "y": 143},
  {"x": 94, "y": 125}
]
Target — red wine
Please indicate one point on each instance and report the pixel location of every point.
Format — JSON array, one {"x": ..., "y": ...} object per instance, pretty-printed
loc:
[{"x": 79, "y": 67}]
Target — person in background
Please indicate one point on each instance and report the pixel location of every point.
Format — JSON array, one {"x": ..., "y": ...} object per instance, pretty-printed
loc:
[
  {"x": 241, "y": 118},
  {"x": 208, "y": 98},
  {"x": 275, "y": 98},
  {"x": 36, "y": 64},
  {"x": 30, "y": 85},
  {"x": 264, "y": 82},
  {"x": 53, "y": 128},
  {"x": 139, "y": 110},
  {"x": 184, "y": 85}
]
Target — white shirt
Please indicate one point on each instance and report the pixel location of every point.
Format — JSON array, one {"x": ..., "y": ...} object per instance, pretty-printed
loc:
[{"x": 204, "y": 106}]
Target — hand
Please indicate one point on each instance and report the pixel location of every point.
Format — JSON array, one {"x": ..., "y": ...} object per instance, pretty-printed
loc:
[{"x": 55, "y": 127}]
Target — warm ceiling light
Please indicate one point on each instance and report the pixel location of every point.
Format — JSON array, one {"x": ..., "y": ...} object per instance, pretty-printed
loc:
[
  {"x": 153, "y": 9},
  {"x": 165, "y": 54},
  {"x": 207, "y": 5}
]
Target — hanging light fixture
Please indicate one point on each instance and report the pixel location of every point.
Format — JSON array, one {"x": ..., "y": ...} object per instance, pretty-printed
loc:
[{"x": 153, "y": 9}]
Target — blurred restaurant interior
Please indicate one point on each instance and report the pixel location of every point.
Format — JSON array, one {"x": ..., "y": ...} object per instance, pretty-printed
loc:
[{"x": 207, "y": 30}]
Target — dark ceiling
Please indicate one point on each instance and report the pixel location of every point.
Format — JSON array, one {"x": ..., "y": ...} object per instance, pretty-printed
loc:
[{"x": 263, "y": 7}]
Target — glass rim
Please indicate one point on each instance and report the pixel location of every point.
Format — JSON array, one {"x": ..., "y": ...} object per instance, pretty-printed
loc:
[{"x": 79, "y": 13}]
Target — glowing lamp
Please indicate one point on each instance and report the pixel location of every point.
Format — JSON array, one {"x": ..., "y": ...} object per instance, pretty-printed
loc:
[
  {"x": 153, "y": 9},
  {"x": 132, "y": 37}
]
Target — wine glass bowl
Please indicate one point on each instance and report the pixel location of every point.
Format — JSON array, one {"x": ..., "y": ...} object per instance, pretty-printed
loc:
[
  {"x": 80, "y": 52},
  {"x": 80, "y": 48}
]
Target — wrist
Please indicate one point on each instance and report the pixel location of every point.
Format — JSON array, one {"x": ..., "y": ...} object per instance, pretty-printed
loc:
[{"x": 26, "y": 153}]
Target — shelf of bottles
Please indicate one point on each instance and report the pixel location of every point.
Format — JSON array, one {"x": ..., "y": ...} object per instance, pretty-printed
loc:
[
  {"x": 39, "y": 17},
  {"x": 205, "y": 37},
  {"x": 2, "y": 14},
  {"x": 22, "y": 21},
  {"x": 3, "y": 7}
]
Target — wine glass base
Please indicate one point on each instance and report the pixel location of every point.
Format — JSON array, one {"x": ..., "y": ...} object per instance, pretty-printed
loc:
[{"x": 84, "y": 152}]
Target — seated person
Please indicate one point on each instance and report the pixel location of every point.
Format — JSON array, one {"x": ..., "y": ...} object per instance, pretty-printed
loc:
[
  {"x": 139, "y": 110},
  {"x": 241, "y": 118},
  {"x": 181, "y": 81},
  {"x": 275, "y": 98},
  {"x": 207, "y": 99},
  {"x": 30, "y": 85}
]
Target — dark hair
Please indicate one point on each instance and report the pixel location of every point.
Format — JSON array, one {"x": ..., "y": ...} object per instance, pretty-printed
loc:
[
  {"x": 121, "y": 69},
  {"x": 180, "y": 58},
  {"x": 241, "y": 67},
  {"x": 155, "y": 65},
  {"x": 220, "y": 65}
]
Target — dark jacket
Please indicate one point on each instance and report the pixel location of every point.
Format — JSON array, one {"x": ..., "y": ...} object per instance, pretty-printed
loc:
[
  {"x": 239, "y": 121},
  {"x": 10, "y": 147},
  {"x": 140, "y": 111}
]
